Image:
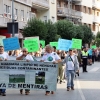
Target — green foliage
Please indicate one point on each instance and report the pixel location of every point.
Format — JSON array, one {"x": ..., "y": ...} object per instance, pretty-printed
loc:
[
  {"x": 98, "y": 35},
  {"x": 65, "y": 29},
  {"x": 79, "y": 32},
  {"x": 35, "y": 27},
  {"x": 51, "y": 32},
  {"x": 97, "y": 42},
  {"x": 97, "y": 39},
  {"x": 88, "y": 35}
]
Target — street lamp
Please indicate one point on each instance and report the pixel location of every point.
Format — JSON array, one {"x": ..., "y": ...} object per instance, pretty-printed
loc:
[{"x": 13, "y": 28}]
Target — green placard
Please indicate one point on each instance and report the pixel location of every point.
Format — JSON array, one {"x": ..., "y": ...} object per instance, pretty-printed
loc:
[
  {"x": 54, "y": 44},
  {"x": 43, "y": 43},
  {"x": 94, "y": 47},
  {"x": 76, "y": 43},
  {"x": 32, "y": 44}
]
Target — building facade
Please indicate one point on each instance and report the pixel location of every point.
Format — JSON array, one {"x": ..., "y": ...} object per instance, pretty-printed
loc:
[{"x": 80, "y": 11}]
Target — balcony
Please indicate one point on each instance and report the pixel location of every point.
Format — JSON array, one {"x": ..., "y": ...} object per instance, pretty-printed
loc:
[
  {"x": 95, "y": 4},
  {"x": 64, "y": 12},
  {"x": 96, "y": 19},
  {"x": 76, "y": 1},
  {"x": 21, "y": 24},
  {"x": 5, "y": 18},
  {"x": 40, "y": 4}
]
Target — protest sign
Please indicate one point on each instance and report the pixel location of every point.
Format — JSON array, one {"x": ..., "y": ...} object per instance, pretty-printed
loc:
[
  {"x": 28, "y": 75},
  {"x": 43, "y": 43},
  {"x": 64, "y": 44},
  {"x": 11, "y": 44},
  {"x": 31, "y": 44},
  {"x": 76, "y": 43},
  {"x": 94, "y": 47},
  {"x": 1, "y": 39},
  {"x": 54, "y": 44}
]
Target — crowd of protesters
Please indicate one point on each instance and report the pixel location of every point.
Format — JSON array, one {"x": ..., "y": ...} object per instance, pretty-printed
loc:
[{"x": 68, "y": 62}]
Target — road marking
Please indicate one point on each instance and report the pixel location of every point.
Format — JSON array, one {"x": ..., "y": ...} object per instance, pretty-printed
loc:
[
  {"x": 94, "y": 69},
  {"x": 80, "y": 90}
]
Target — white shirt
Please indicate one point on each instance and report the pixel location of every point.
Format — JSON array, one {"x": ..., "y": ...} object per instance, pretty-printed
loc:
[
  {"x": 4, "y": 56},
  {"x": 28, "y": 57},
  {"x": 70, "y": 64},
  {"x": 50, "y": 57}
]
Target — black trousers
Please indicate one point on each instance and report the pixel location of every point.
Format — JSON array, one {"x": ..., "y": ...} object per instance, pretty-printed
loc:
[{"x": 84, "y": 67}]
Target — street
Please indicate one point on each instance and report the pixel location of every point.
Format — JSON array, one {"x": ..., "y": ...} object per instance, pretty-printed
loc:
[{"x": 87, "y": 87}]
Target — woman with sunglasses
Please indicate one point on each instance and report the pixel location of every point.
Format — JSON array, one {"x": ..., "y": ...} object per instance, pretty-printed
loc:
[{"x": 27, "y": 57}]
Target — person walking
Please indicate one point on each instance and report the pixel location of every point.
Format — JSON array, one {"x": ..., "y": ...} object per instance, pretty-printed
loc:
[
  {"x": 3, "y": 57},
  {"x": 27, "y": 57},
  {"x": 72, "y": 66},
  {"x": 50, "y": 56},
  {"x": 84, "y": 57}
]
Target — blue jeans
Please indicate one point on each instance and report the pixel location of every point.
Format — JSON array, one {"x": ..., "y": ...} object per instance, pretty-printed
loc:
[
  {"x": 2, "y": 90},
  {"x": 70, "y": 78}
]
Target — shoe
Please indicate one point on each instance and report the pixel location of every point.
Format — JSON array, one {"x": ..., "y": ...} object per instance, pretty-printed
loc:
[
  {"x": 86, "y": 71},
  {"x": 3, "y": 94},
  {"x": 68, "y": 89},
  {"x": 52, "y": 92},
  {"x": 60, "y": 82},
  {"x": 72, "y": 88},
  {"x": 27, "y": 92},
  {"x": 21, "y": 91},
  {"x": 47, "y": 93}
]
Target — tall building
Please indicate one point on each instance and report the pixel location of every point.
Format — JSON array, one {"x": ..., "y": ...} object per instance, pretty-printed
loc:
[
  {"x": 24, "y": 10},
  {"x": 80, "y": 11}
]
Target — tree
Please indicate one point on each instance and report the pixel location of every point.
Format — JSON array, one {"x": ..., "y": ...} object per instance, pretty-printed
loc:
[
  {"x": 65, "y": 29},
  {"x": 98, "y": 35},
  {"x": 79, "y": 32},
  {"x": 97, "y": 39},
  {"x": 35, "y": 27},
  {"x": 51, "y": 32},
  {"x": 88, "y": 35}
]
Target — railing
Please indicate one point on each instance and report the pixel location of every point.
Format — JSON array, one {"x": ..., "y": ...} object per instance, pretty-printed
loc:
[
  {"x": 77, "y": 0},
  {"x": 4, "y": 20},
  {"x": 69, "y": 12},
  {"x": 43, "y": 3},
  {"x": 96, "y": 19},
  {"x": 96, "y": 4}
]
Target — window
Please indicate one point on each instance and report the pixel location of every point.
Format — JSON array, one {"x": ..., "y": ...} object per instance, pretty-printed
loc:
[
  {"x": 53, "y": 1},
  {"x": 16, "y": 11},
  {"x": 8, "y": 9},
  {"x": 45, "y": 18},
  {"x": 53, "y": 19},
  {"x": 89, "y": 10},
  {"x": 5, "y": 8},
  {"x": 22, "y": 15},
  {"x": 84, "y": 9},
  {"x": 97, "y": 13}
]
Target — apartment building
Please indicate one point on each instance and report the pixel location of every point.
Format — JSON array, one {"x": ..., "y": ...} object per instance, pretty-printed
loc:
[
  {"x": 45, "y": 9},
  {"x": 24, "y": 10},
  {"x": 80, "y": 11}
]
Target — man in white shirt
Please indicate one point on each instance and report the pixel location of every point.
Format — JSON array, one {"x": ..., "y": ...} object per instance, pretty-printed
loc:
[
  {"x": 50, "y": 56},
  {"x": 27, "y": 57},
  {"x": 72, "y": 66},
  {"x": 3, "y": 56}
]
